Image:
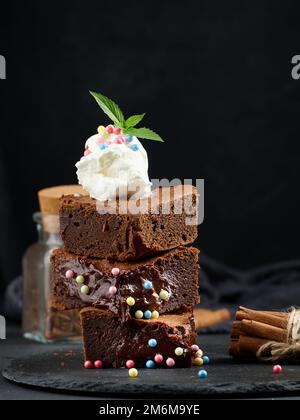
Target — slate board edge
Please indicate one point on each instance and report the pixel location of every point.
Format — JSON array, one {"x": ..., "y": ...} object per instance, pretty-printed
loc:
[{"x": 198, "y": 389}]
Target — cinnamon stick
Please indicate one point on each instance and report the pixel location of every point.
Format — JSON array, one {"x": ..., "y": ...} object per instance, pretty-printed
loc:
[
  {"x": 261, "y": 330},
  {"x": 268, "y": 318},
  {"x": 246, "y": 346},
  {"x": 205, "y": 318}
]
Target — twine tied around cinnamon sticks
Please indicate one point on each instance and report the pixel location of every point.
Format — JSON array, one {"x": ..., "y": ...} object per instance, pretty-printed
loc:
[
  {"x": 288, "y": 350},
  {"x": 268, "y": 336}
]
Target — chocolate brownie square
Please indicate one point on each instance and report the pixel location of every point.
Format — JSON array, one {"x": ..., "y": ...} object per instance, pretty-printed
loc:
[{"x": 164, "y": 221}]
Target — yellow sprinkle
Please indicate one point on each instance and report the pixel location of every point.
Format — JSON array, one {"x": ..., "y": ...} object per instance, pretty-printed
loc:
[
  {"x": 198, "y": 361},
  {"x": 80, "y": 279},
  {"x": 133, "y": 373},
  {"x": 101, "y": 129},
  {"x": 85, "y": 289},
  {"x": 179, "y": 351},
  {"x": 164, "y": 295},
  {"x": 130, "y": 301},
  {"x": 139, "y": 314},
  {"x": 155, "y": 315}
]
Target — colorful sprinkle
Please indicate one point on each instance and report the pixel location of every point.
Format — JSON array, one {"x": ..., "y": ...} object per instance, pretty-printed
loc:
[
  {"x": 130, "y": 301},
  {"x": 277, "y": 369},
  {"x": 119, "y": 140},
  {"x": 202, "y": 374},
  {"x": 103, "y": 146},
  {"x": 148, "y": 285},
  {"x": 155, "y": 315},
  {"x": 80, "y": 279},
  {"x": 199, "y": 353},
  {"x": 110, "y": 129},
  {"x": 88, "y": 364},
  {"x": 115, "y": 271},
  {"x": 134, "y": 147},
  {"x": 129, "y": 138},
  {"x": 70, "y": 274},
  {"x": 150, "y": 364},
  {"x": 170, "y": 362},
  {"x": 179, "y": 351},
  {"x": 117, "y": 130},
  {"x": 164, "y": 295},
  {"x": 147, "y": 314},
  {"x": 206, "y": 360},
  {"x": 133, "y": 373},
  {"x": 152, "y": 342},
  {"x": 194, "y": 347},
  {"x": 85, "y": 289},
  {"x": 87, "y": 152},
  {"x": 112, "y": 290},
  {"x": 130, "y": 364},
  {"x": 98, "y": 364},
  {"x": 158, "y": 358},
  {"x": 198, "y": 361},
  {"x": 101, "y": 129},
  {"x": 139, "y": 314}
]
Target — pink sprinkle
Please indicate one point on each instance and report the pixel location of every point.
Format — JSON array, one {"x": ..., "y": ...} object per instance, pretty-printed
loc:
[
  {"x": 112, "y": 290},
  {"x": 109, "y": 129},
  {"x": 170, "y": 362},
  {"x": 115, "y": 271},
  {"x": 87, "y": 152},
  {"x": 117, "y": 130},
  {"x": 119, "y": 140},
  {"x": 70, "y": 274},
  {"x": 158, "y": 358},
  {"x": 100, "y": 140},
  {"x": 88, "y": 364},
  {"x": 130, "y": 364},
  {"x": 277, "y": 369},
  {"x": 98, "y": 364},
  {"x": 194, "y": 347}
]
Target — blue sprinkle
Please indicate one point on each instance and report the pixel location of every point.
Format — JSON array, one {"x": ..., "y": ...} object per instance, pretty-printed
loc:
[
  {"x": 129, "y": 138},
  {"x": 206, "y": 360},
  {"x": 152, "y": 342},
  {"x": 202, "y": 374},
  {"x": 150, "y": 364},
  {"x": 134, "y": 147},
  {"x": 147, "y": 315},
  {"x": 148, "y": 285},
  {"x": 102, "y": 146}
]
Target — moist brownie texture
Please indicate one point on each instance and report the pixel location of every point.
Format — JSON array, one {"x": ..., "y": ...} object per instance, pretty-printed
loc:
[
  {"x": 106, "y": 339},
  {"x": 175, "y": 271},
  {"x": 88, "y": 227}
]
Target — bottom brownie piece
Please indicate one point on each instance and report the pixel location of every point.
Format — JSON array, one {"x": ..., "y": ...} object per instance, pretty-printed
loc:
[{"x": 106, "y": 339}]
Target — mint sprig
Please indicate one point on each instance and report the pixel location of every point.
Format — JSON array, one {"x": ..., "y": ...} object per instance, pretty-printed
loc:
[{"x": 113, "y": 111}]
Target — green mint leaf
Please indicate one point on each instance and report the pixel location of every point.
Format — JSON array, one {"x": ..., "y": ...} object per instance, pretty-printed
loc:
[
  {"x": 110, "y": 108},
  {"x": 134, "y": 120},
  {"x": 144, "y": 133}
]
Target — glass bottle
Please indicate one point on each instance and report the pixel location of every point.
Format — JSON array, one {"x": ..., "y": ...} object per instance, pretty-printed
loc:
[{"x": 40, "y": 321}]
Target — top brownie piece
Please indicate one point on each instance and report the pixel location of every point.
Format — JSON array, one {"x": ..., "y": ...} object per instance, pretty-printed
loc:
[{"x": 117, "y": 231}]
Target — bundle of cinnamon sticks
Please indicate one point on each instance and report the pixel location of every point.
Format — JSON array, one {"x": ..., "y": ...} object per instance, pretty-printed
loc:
[{"x": 254, "y": 329}]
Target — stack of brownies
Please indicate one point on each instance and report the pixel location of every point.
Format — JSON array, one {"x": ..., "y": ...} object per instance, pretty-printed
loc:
[{"x": 132, "y": 277}]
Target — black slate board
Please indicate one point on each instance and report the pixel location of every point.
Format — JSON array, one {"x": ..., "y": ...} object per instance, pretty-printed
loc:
[{"x": 62, "y": 370}]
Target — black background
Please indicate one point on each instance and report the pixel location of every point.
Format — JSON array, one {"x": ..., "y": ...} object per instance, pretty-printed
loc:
[{"x": 215, "y": 80}]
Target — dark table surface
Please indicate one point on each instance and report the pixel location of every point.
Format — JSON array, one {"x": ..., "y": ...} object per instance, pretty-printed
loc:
[{"x": 16, "y": 346}]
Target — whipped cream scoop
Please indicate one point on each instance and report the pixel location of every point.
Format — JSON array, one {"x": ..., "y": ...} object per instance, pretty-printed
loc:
[{"x": 114, "y": 165}]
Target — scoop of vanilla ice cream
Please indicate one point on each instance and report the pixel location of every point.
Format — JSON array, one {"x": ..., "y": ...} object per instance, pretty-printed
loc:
[{"x": 114, "y": 170}]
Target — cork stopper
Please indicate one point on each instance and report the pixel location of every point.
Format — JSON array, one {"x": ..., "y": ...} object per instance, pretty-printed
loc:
[{"x": 49, "y": 204}]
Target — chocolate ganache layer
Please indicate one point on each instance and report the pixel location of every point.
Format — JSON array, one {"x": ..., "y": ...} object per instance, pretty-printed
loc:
[{"x": 165, "y": 283}]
